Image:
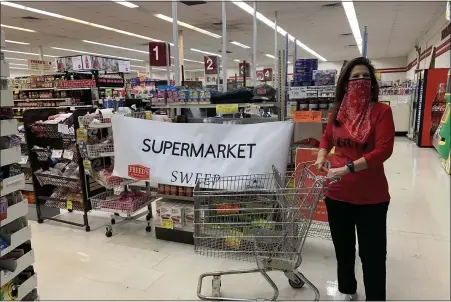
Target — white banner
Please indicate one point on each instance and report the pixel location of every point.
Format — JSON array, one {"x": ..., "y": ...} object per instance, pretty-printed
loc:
[
  {"x": 39, "y": 65},
  {"x": 180, "y": 154}
]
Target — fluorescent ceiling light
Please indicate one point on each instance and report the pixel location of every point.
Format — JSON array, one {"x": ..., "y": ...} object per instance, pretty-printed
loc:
[
  {"x": 270, "y": 56},
  {"x": 7, "y": 58},
  {"x": 195, "y": 70},
  {"x": 247, "y": 8},
  {"x": 137, "y": 66},
  {"x": 27, "y": 53},
  {"x": 189, "y": 26},
  {"x": 348, "y": 6},
  {"x": 17, "y": 42},
  {"x": 18, "y": 68},
  {"x": 236, "y": 60},
  {"x": 96, "y": 54},
  {"x": 205, "y": 52},
  {"x": 16, "y": 64},
  {"x": 43, "y": 12},
  {"x": 126, "y": 3},
  {"x": 239, "y": 44},
  {"x": 114, "y": 46},
  {"x": 194, "y": 61},
  {"x": 17, "y": 28},
  {"x": 155, "y": 68},
  {"x": 288, "y": 62}
]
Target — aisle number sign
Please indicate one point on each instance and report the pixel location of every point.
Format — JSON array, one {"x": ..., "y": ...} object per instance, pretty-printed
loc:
[
  {"x": 211, "y": 64},
  {"x": 227, "y": 108},
  {"x": 307, "y": 116},
  {"x": 267, "y": 74},
  {"x": 158, "y": 54},
  {"x": 260, "y": 75}
]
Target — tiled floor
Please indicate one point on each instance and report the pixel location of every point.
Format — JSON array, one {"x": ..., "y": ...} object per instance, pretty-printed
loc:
[{"x": 133, "y": 265}]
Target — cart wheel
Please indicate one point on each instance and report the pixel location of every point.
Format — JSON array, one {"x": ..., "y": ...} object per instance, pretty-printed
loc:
[
  {"x": 40, "y": 220},
  {"x": 113, "y": 221},
  {"x": 88, "y": 228},
  {"x": 109, "y": 233},
  {"x": 296, "y": 284},
  {"x": 70, "y": 211},
  {"x": 148, "y": 229},
  {"x": 148, "y": 217}
]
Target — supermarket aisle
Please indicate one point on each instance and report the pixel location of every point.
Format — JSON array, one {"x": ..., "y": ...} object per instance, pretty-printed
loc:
[{"x": 72, "y": 264}]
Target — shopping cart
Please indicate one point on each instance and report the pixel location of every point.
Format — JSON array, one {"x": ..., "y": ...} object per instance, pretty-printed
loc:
[{"x": 261, "y": 217}]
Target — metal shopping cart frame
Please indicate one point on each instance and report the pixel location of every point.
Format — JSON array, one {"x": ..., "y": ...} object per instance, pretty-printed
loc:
[{"x": 261, "y": 217}]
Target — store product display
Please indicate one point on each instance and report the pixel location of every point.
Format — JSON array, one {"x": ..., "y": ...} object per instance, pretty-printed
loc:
[
  {"x": 303, "y": 72},
  {"x": 264, "y": 92},
  {"x": 176, "y": 215},
  {"x": 164, "y": 189}
]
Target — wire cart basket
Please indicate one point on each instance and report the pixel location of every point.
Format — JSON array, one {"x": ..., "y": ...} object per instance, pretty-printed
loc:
[{"x": 261, "y": 217}]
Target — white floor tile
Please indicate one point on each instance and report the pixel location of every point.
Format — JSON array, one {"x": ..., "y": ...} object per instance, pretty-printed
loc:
[{"x": 134, "y": 265}]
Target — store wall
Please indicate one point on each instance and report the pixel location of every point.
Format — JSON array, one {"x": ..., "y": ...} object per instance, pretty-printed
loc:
[{"x": 432, "y": 38}]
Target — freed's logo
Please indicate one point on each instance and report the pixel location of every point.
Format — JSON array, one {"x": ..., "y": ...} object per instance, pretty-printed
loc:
[{"x": 139, "y": 172}]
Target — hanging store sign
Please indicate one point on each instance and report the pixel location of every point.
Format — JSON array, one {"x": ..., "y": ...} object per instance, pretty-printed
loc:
[
  {"x": 89, "y": 62},
  {"x": 260, "y": 75},
  {"x": 39, "y": 65},
  {"x": 159, "y": 54},
  {"x": 267, "y": 73},
  {"x": 242, "y": 69},
  {"x": 211, "y": 64},
  {"x": 181, "y": 154},
  {"x": 211, "y": 80}
]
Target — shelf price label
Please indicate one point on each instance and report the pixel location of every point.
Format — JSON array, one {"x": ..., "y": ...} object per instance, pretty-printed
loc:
[
  {"x": 158, "y": 54},
  {"x": 307, "y": 116},
  {"x": 227, "y": 108},
  {"x": 69, "y": 205},
  {"x": 167, "y": 223}
]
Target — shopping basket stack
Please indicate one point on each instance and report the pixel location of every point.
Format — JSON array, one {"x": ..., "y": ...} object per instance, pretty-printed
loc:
[{"x": 261, "y": 217}]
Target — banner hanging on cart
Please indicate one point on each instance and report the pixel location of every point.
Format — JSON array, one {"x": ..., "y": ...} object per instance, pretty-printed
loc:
[{"x": 180, "y": 154}]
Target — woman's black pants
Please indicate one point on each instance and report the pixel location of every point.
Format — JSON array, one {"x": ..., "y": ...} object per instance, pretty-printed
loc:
[{"x": 371, "y": 224}]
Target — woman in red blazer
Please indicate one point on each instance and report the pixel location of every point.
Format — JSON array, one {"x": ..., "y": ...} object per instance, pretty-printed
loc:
[{"x": 362, "y": 131}]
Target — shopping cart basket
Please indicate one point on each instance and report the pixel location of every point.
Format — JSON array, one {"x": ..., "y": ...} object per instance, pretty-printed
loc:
[{"x": 261, "y": 217}]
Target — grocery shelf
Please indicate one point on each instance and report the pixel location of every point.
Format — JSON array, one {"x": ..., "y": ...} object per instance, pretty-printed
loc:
[
  {"x": 36, "y": 100},
  {"x": 26, "y": 287},
  {"x": 12, "y": 184},
  {"x": 9, "y": 156},
  {"x": 176, "y": 197},
  {"x": 15, "y": 211},
  {"x": 36, "y": 89},
  {"x": 81, "y": 88},
  {"x": 176, "y": 235},
  {"x": 181, "y": 106},
  {"x": 16, "y": 239},
  {"x": 6, "y": 97},
  {"x": 8, "y": 127},
  {"x": 22, "y": 263}
]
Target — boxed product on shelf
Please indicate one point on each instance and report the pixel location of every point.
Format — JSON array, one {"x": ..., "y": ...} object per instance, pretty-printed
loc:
[
  {"x": 324, "y": 77},
  {"x": 189, "y": 214}
]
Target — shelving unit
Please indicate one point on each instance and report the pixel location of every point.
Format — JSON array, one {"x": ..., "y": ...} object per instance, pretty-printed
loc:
[
  {"x": 18, "y": 281},
  {"x": 115, "y": 195}
]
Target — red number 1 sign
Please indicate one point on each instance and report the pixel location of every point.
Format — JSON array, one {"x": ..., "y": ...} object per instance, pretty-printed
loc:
[{"x": 158, "y": 54}]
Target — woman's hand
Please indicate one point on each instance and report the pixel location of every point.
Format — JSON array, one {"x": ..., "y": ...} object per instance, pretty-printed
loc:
[
  {"x": 319, "y": 164},
  {"x": 338, "y": 172}
]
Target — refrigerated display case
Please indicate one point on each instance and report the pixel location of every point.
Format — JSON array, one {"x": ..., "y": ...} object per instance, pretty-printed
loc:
[{"x": 427, "y": 82}]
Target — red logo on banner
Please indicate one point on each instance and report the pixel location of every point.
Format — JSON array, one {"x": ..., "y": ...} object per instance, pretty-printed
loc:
[
  {"x": 158, "y": 54},
  {"x": 211, "y": 64},
  {"x": 139, "y": 172}
]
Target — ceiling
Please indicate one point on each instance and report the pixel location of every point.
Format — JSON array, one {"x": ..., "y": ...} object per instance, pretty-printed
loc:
[{"x": 393, "y": 28}]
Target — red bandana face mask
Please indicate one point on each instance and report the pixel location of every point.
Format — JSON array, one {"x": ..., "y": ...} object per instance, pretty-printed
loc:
[{"x": 355, "y": 110}]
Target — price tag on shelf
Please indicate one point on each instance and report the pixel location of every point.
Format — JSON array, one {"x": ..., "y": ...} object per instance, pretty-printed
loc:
[
  {"x": 23, "y": 160},
  {"x": 68, "y": 154},
  {"x": 252, "y": 109},
  {"x": 69, "y": 205},
  {"x": 307, "y": 116},
  {"x": 227, "y": 108},
  {"x": 167, "y": 223},
  {"x": 82, "y": 135},
  {"x": 57, "y": 153},
  {"x": 64, "y": 129},
  {"x": 148, "y": 115}
]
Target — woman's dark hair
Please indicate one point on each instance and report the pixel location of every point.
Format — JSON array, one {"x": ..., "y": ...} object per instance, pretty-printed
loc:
[{"x": 343, "y": 80}]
